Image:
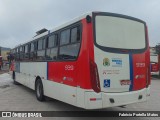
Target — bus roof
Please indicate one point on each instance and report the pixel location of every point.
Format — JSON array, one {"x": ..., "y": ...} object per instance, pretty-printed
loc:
[{"x": 76, "y": 19}]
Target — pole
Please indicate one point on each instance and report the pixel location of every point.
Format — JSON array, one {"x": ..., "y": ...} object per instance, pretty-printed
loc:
[
  {"x": 159, "y": 64},
  {"x": 0, "y": 50},
  {"x": 0, "y": 55}
]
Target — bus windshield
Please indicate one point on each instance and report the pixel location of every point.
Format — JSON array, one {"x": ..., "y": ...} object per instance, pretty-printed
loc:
[{"x": 121, "y": 33}]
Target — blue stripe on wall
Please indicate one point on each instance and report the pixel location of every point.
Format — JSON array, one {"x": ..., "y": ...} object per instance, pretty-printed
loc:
[{"x": 131, "y": 71}]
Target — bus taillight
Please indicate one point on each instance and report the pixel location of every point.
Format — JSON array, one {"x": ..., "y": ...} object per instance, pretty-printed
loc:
[
  {"x": 94, "y": 77},
  {"x": 148, "y": 82}
]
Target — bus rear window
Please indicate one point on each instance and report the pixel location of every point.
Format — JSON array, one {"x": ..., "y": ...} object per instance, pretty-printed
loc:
[{"x": 121, "y": 33}]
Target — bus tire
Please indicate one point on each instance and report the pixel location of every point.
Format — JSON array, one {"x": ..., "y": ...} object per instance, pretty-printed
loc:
[
  {"x": 39, "y": 90},
  {"x": 14, "y": 79}
]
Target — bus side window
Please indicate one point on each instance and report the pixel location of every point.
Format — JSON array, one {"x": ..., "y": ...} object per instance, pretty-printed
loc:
[
  {"x": 75, "y": 34},
  {"x": 21, "y": 53},
  {"x": 40, "y": 51},
  {"x": 35, "y": 51},
  {"x": 31, "y": 51},
  {"x": 17, "y": 54},
  {"x": 44, "y": 43},
  {"x": 70, "y": 51},
  {"x": 51, "y": 39},
  {"x": 35, "y": 45},
  {"x": 26, "y": 55},
  {"x": 52, "y": 49},
  {"x": 65, "y": 37}
]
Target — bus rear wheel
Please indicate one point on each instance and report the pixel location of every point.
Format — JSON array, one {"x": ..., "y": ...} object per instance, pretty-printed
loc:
[{"x": 39, "y": 90}]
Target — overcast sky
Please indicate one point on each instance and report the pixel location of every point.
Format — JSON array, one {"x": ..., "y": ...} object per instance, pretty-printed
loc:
[{"x": 20, "y": 19}]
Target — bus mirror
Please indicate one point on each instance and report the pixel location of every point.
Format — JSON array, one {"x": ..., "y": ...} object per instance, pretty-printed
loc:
[{"x": 88, "y": 19}]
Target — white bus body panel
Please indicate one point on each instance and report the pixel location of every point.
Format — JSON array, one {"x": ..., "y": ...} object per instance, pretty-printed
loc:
[
  {"x": 76, "y": 96},
  {"x": 113, "y": 72},
  {"x": 59, "y": 91},
  {"x": 103, "y": 99}
]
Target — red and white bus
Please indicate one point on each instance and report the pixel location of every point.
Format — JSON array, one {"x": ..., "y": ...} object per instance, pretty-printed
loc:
[
  {"x": 95, "y": 61},
  {"x": 154, "y": 65},
  {"x": 154, "y": 62}
]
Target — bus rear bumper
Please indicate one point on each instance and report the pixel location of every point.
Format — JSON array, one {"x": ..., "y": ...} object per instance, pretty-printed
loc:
[{"x": 104, "y": 100}]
